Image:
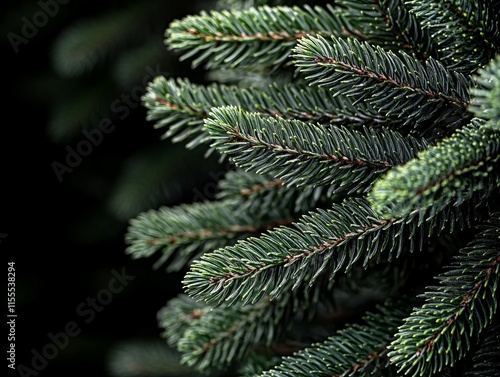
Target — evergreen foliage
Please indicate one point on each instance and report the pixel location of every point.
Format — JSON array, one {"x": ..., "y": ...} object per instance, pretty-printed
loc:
[{"x": 376, "y": 164}]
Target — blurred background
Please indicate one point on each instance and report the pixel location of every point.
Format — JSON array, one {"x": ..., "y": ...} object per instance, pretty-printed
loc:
[{"x": 68, "y": 193}]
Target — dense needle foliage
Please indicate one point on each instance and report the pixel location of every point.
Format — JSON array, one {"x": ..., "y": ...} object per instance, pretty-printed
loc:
[{"x": 358, "y": 229}]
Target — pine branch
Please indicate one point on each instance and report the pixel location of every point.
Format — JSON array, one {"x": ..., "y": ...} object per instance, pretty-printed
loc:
[
  {"x": 264, "y": 191},
  {"x": 178, "y": 315},
  {"x": 486, "y": 101},
  {"x": 443, "y": 174},
  {"x": 182, "y": 106},
  {"x": 455, "y": 312},
  {"x": 400, "y": 18},
  {"x": 239, "y": 183},
  {"x": 368, "y": 21},
  {"x": 183, "y": 232},
  {"x": 307, "y": 154},
  {"x": 466, "y": 32},
  {"x": 381, "y": 210},
  {"x": 218, "y": 337},
  {"x": 360, "y": 349},
  {"x": 262, "y": 35},
  {"x": 315, "y": 104},
  {"x": 390, "y": 24},
  {"x": 420, "y": 94},
  {"x": 486, "y": 360},
  {"x": 321, "y": 243},
  {"x": 224, "y": 335}
]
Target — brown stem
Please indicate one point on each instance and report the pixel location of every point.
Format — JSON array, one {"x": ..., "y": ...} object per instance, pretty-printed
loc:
[{"x": 231, "y": 231}]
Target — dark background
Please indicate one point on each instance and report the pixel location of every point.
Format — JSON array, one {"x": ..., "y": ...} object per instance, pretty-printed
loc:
[{"x": 61, "y": 236}]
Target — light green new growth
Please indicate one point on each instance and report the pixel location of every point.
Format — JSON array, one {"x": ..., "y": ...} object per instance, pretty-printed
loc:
[
  {"x": 486, "y": 103},
  {"x": 444, "y": 173}
]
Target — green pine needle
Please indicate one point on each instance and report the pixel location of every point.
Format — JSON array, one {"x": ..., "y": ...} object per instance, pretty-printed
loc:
[
  {"x": 181, "y": 106},
  {"x": 321, "y": 243},
  {"x": 443, "y": 330},
  {"x": 308, "y": 154},
  {"x": 466, "y": 32},
  {"x": 486, "y": 101},
  {"x": 394, "y": 84},
  {"x": 358, "y": 350},
  {"x": 262, "y": 35},
  {"x": 181, "y": 233}
]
